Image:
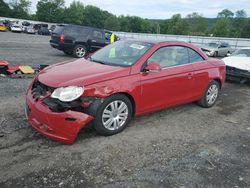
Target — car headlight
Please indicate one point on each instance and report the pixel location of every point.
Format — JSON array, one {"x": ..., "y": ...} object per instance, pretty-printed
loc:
[{"x": 67, "y": 94}]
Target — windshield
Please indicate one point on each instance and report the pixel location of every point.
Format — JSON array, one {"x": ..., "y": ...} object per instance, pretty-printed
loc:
[
  {"x": 213, "y": 44},
  {"x": 121, "y": 53},
  {"x": 242, "y": 53}
]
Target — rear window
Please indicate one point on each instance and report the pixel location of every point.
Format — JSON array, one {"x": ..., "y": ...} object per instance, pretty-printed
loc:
[{"x": 58, "y": 29}]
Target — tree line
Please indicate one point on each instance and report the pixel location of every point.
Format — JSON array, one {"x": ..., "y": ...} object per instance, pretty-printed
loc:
[{"x": 227, "y": 24}]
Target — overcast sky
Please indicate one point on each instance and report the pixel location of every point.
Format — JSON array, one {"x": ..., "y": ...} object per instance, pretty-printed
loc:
[{"x": 162, "y": 9}]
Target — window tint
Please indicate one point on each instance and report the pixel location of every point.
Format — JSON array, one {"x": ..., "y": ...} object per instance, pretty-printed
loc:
[
  {"x": 58, "y": 29},
  {"x": 194, "y": 56},
  {"x": 107, "y": 35},
  {"x": 97, "y": 34},
  {"x": 76, "y": 31},
  {"x": 224, "y": 45},
  {"x": 170, "y": 56}
]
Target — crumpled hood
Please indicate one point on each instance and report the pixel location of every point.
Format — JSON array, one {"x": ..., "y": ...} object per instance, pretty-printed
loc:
[
  {"x": 79, "y": 73},
  {"x": 242, "y": 63},
  {"x": 208, "y": 48}
]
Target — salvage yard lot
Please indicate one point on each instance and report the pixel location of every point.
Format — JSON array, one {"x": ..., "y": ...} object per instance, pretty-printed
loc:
[{"x": 185, "y": 146}]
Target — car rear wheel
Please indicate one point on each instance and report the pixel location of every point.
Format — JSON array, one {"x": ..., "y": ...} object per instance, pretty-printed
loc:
[
  {"x": 113, "y": 115},
  {"x": 80, "y": 51},
  {"x": 210, "y": 96}
]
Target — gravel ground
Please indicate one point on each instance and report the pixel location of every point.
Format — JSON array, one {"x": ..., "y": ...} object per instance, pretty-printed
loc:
[{"x": 186, "y": 146}]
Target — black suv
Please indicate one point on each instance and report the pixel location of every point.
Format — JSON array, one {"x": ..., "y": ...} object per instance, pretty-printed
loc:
[{"x": 79, "y": 41}]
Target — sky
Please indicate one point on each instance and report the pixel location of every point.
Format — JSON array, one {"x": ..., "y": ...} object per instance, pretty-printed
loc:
[{"x": 162, "y": 9}]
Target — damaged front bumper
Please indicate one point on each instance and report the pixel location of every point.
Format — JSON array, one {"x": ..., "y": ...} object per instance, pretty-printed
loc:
[
  {"x": 59, "y": 126},
  {"x": 236, "y": 74}
]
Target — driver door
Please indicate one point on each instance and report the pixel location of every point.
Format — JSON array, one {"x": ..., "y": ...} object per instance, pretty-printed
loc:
[{"x": 172, "y": 85}]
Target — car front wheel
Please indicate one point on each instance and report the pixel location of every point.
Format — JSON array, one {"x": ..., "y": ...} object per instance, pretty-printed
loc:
[
  {"x": 113, "y": 115},
  {"x": 210, "y": 96}
]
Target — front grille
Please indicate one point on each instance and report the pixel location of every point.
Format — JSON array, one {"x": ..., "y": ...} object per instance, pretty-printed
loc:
[
  {"x": 235, "y": 70},
  {"x": 39, "y": 90}
]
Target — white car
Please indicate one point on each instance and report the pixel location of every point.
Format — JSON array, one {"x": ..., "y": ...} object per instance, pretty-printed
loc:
[
  {"x": 16, "y": 28},
  {"x": 216, "y": 49},
  {"x": 238, "y": 65}
]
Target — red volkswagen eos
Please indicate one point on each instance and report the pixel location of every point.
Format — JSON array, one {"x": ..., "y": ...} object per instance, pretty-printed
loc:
[{"x": 122, "y": 80}]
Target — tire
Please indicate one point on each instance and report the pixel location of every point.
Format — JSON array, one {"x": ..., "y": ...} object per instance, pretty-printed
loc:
[
  {"x": 80, "y": 51},
  {"x": 106, "y": 121},
  {"x": 216, "y": 54},
  {"x": 210, "y": 96}
]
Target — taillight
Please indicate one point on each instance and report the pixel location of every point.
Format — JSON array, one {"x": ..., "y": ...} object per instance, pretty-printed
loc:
[{"x": 62, "y": 38}]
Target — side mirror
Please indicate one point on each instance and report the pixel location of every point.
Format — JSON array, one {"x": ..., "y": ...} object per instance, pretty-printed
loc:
[{"x": 153, "y": 67}]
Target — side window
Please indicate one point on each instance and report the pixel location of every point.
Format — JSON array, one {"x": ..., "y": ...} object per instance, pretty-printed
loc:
[
  {"x": 194, "y": 56},
  {"x": 107, "y": 35},
  {"x": 170, "y": 56},
  {"x": 97, "y": 34}
]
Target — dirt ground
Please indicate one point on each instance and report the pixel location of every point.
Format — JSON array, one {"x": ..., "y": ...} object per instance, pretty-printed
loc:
[{"x": 186, "y": 146}]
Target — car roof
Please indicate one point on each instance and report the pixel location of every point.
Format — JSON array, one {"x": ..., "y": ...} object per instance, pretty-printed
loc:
[{"x": 74, "y": 25}]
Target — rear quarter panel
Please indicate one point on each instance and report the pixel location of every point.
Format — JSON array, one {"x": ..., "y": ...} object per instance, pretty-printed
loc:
[{"x": 207, "y": 71}]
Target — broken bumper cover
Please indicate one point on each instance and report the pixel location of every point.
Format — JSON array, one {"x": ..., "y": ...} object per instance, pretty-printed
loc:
[
  {"x": 237, "y": 74},
  {"x": 62, "y": 127}
]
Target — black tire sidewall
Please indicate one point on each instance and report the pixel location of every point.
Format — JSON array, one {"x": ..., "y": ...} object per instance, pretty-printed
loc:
[
  {"x": 98, "y": 125},
  {"x": 203, "y": 101}
]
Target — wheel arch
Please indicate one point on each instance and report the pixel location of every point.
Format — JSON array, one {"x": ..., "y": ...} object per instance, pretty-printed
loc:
[
  {"x": 219, "y": 82},
  {"x": 131, "y": 98}
]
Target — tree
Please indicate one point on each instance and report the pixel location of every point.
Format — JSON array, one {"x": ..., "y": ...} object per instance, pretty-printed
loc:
[
  {"x": 5, "y": 10},
  {"x": 148, "y": 26},
  {"x": 112, "y": 23},
  {"x": 239, "y": 23},
  {"x": 225, "y": 14},
  {"x": 20, "y": 8},
  {"x": 177, "y": 25},
  {"x": 93, "y": 16},
  {"x": 74, "y": 14},
  {"x": 197, "y": 23},
  {"x": 135, "y": 24},
  {"x": 124, "y": 23},
  {"x": 50, "y": 10},
  {"x": 246, "y": 30},
  {"x": 222, "y": 28}
]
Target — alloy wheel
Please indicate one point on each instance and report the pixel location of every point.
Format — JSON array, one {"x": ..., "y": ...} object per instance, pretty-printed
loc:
[
  {"x": 80, "y": 52},
  {"x": 212, "y": 94},
  {"x": 115, "y": 115}
]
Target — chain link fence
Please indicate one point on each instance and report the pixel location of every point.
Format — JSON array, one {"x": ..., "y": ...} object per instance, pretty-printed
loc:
[{"x": 198, "y": 40}]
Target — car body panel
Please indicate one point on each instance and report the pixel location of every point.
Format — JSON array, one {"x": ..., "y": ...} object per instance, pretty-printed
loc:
[
  {"x": 80, "y": 72},
  {"x": 238, "y": 68},
  {"x": 54, "y": 125},
  {"x": 149, "y": 91},
  {"x": 238, "y": 62},
  {"x": 3, "y": 27},
  {"x": 16, "y": 28},
  {"x": 222, "y": 49}
]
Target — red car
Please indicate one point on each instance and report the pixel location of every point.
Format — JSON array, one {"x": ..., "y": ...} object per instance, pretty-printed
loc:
[{"x": 122, "y": 80}]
